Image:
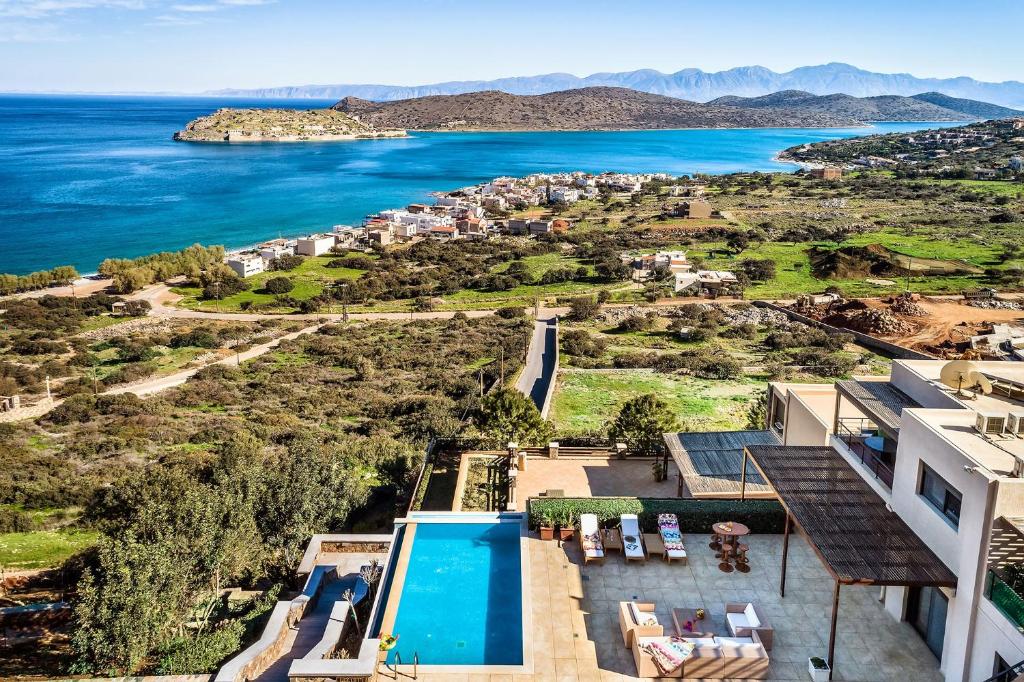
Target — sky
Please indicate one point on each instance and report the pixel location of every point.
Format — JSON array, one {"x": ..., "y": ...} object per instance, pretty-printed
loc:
[{"x": 192, "y": 46}]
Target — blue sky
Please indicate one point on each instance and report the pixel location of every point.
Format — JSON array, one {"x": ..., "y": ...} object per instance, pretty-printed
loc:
[{"x": 196, "y": 45}]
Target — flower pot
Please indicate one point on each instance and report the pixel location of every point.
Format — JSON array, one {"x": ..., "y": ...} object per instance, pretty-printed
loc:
[
  {"x": 817, "y": 674},
  {"x": 565, "y": 533},
  {"x": 547, "y": 532}
]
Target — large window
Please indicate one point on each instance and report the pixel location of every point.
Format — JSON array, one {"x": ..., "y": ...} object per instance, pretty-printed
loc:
[{"x": 941, "y": 495}]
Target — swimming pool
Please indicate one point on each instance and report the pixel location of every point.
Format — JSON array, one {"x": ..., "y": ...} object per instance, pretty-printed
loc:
[{"x": 460, "y": 602}]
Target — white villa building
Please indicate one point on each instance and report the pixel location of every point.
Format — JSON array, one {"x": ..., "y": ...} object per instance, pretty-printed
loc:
[
  {"x": 950, "y": 464},
  {"x": 314, "y": 244},
  {"x": 246, "y": 265}
]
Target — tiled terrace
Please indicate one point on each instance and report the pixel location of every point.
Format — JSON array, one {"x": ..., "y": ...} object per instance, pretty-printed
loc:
[
  {"x": 576, "y": 634},
  {"x": 593, "y": 477}
]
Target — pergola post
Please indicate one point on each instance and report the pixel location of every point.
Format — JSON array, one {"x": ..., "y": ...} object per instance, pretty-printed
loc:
[
  {"x": 832, "y": 632},
  {"x": 785, "y": 556},
  {"x": 743, "y": 477},
  {"x": 835, "y": 419}
]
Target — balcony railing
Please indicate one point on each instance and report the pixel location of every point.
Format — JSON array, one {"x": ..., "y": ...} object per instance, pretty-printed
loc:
[
  {"x": 1006, "y": 599},
  {"x": 854, "y": 432}
]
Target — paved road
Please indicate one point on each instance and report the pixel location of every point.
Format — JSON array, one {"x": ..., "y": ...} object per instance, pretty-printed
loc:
[{"x": 540, "y": 367}]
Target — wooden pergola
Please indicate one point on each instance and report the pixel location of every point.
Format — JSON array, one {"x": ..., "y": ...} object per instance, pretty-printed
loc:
[{"x": 857, "y": 537}]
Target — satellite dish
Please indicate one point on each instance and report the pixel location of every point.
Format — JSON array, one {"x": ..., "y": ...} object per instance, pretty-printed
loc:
[
  {"x": 959, "y": 375},
  {"x": 980, "y": 382}
]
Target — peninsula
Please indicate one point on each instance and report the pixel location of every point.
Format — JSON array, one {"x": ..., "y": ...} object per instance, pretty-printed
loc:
[{"x": 279, "y": 125}]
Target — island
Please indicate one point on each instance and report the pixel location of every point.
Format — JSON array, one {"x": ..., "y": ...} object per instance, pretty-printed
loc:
[{"x": 280, "y": 125}]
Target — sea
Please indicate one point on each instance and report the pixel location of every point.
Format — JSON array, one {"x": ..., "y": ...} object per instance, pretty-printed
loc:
[{"x": 83, "y": 178}]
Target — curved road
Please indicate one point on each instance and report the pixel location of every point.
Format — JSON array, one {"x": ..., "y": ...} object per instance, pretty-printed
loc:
[{"x": 541, "y": 364}]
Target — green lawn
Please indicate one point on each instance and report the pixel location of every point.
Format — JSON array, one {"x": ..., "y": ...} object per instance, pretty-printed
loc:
[
  {"x": 42, "y": 549},
  {"x": 586, "y": 400},
  {"x": 1003, "y": 187},
  {"x": 309, "y": 280}
]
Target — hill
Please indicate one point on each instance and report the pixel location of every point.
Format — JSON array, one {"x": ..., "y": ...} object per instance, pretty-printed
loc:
[
  {"x": 924, "y": 107},
  {"x": 581, "y": 109},
  {"x": 690, "y": 84},
  {"x": 277, "y": 125},
  {"x": 993, "y": 148}
]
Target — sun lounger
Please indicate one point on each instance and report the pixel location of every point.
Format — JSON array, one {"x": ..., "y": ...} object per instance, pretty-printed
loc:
[
  {"x": 668, "y": 527},
  {"x": 590, "y": 539},
  {"x": 632, "y": 544}
]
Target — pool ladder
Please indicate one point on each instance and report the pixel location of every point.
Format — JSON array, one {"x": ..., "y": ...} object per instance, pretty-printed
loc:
[{"x": 398, "y": 662}]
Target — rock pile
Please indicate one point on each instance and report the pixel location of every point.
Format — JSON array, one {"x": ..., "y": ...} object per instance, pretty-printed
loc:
[
  {"x": 994, "y": 304},
  {"x": 870, "y": 321},
  {"x": 904, "y": 304}
]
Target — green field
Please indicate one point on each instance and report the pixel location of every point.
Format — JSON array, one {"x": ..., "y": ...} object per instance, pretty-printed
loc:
[
  {"x": 42, "y": 549},
  {"x": 588, "y": 400},
  {"x": 309, "y": 280},
  {"x": 793, "y": 271}
]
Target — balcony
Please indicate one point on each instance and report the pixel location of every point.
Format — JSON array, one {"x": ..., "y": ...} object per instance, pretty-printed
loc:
[
  {"x": 1000, "y": 590},
  {"x": 876, "y": 452}
]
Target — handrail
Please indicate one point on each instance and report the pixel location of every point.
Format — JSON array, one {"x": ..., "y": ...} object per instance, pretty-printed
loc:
[
  {"x": 1009, "y": 674},
  {"x": 881, "y": 471}
]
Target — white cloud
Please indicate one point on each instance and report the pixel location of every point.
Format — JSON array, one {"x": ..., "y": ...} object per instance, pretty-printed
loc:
[
  {"x": 195, "y": 8},
  {"x": 37, "y": 9},
  {"x": 32, "y": 32}
]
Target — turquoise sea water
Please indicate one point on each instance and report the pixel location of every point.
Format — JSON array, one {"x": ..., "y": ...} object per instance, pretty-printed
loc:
[
  {"x": 84, "y": 178},
  {"x": 462, "y": 600}
]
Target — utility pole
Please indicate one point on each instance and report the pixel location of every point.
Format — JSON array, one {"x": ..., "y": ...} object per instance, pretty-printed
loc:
[
  {"x": 216, "y": 288},
  {"x": 503, "y": 364}
]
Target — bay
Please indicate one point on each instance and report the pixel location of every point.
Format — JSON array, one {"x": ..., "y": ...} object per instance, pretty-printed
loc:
[{"x": 86, "y": 178}]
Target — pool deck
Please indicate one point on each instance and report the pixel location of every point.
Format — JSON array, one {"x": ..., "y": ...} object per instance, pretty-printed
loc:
[{"x": 575, "y": 630}]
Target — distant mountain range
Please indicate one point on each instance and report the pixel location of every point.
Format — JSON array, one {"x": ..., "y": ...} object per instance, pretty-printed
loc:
[
  {"x": 606, "y": 108},
  {"x": 689, "y": 84}
]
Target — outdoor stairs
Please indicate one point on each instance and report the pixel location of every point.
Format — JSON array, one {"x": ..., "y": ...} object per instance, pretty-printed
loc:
[{"x": 307, "y": 632}]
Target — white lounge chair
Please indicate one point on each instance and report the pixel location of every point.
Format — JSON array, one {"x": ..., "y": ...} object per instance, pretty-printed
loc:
[
  {"x": 632, "y": 539},
  {"x": 668, "y": 527},
  {"x": 590, "y": 539}
]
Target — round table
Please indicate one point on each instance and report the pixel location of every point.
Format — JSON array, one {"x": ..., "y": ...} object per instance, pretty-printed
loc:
[{"x": 730, "y": 530}]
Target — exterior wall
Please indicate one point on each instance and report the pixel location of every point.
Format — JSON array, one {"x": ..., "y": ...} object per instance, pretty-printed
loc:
[
  {"x": 993, "y": 635},
  {"x": 803, "y": 427},
  {"x": 314, "y": 246},
  {"x": 921, "y": 389},
  {"x": 962, "y": 549}
]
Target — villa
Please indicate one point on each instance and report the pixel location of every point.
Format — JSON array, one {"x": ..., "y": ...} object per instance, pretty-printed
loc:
[{"x": 940, "y": 444}]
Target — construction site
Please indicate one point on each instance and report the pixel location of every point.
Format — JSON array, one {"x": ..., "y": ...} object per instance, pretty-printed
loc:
[{"x": 980, "y": 326}]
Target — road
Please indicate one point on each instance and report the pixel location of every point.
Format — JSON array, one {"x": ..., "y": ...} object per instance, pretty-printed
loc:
[{"x": 541, "y": 366}]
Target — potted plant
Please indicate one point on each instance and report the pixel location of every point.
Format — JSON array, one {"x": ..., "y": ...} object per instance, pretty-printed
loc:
[
  {"x": 565, "y": 527},
  {"x": 547, "y": 525},
  {"x": 818, "y": 668}
]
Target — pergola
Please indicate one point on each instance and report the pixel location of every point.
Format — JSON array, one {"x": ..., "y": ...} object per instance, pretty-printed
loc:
[{"x": 855, "y": 534}]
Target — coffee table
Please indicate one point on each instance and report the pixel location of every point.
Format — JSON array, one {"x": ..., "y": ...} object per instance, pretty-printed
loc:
[{"x": 704, "y": 627}]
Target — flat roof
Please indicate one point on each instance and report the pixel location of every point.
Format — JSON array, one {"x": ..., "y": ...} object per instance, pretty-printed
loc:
[
  {"x": 996, "y": 453},
  {"x": 854, "y": 533}
]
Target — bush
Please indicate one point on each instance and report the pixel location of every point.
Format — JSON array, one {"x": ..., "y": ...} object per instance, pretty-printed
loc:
[
  {"x": 510, "y": 312},
  {"x": 639, "y": 323},
  {"x": 695, "y": 516},
  {"x": 286, "y": 263},
  {"x": 581, "y": 343},
  {"x": 200, "y": 338},
  {"x": 278, "y": 285},
  {"x": 583, "y": 308}
]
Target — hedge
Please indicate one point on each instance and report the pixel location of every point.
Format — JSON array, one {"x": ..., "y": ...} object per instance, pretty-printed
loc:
[{"x": 695, "y": 516}]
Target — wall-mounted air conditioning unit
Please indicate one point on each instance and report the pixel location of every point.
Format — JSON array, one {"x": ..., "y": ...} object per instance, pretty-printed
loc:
[
  {"x": 1015, "y": 423},
  {"x": 990, "y": 423}
]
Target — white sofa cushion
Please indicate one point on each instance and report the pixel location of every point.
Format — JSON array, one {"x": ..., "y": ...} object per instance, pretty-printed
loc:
[
  {"x": 733, "y": 640},
  {"x": 642, "y": 617},
  {"x": 745, "y": 620},
  {"x": 751, "y": 616}
]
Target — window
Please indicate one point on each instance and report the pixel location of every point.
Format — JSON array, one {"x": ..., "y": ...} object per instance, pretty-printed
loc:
[{"x": 944, "y": 497}]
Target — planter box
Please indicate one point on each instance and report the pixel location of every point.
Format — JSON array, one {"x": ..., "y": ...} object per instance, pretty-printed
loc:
[
  {"x": 566, "y": 533},
  {"x": 547, "y": 533},
  {"x": 818, "y": 674}
]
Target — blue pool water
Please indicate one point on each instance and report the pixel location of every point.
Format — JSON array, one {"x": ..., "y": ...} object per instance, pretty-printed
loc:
[
  {"x": 84, "y": 178},
  {"x": 461, "y": 602}
]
